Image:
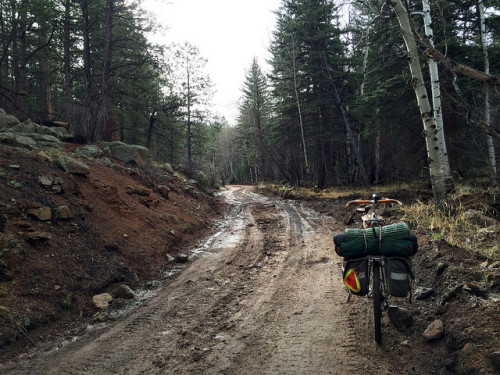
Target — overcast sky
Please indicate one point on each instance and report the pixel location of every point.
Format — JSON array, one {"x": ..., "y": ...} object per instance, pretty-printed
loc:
[{"x": 229, "y": 33}]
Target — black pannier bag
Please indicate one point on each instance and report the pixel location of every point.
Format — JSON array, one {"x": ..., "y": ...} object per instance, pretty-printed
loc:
[
  {"x": 356, "y": 269},
  {"x": 398, "y": 271}
]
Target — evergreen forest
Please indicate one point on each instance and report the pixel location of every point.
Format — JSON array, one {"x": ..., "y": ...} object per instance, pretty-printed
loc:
[{"x": 361, "y": 92}]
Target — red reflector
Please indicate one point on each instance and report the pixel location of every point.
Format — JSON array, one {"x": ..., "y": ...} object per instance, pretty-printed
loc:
[{"x": 351, "y": 280}]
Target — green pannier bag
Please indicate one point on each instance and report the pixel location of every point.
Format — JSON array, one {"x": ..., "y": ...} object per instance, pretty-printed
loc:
[{"x": 398, "y": 271}]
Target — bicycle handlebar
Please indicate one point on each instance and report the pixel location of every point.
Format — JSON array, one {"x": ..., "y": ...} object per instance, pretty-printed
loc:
[{"x": 378, "y": 201}]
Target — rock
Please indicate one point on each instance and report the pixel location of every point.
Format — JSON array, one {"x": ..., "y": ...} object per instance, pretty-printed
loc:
[
  {"x": 24, "y": 141},
  {"x": 170, "y": 258},
  {"x": 182, "y": 258},
  {"x": 164, "y": 190},
  {"x": 14, "y": 185},
  {"x": 34, "y": 237},
  {"x": 423, "y": 293},
  {"x": 400, "y": 317},
  {"x": 494, "y": 358},
  {"x": 125, "y": 292},
  {"x": 54, "y": 184},
  {"x": 73, "y": 166},
  {"x": 62, "y": 213},
  {"x": 41, "y": 213},
  {"x": 89, "y": 151},
  {"x": 7, "y": 121},
  {"x": 102, "y": 300},
  {"x": 46, "y": 140},
  {"x": 140, "y": 191},
  {"x": 24, "y": 127},
  {"x": 477, "y": 217},
  {"x": 7, "y": 138},
  {"x": 434, "y": 331},
  {"x": 101, "y": 317},
  {"x": 46, "y": 181},
  {"x": 129, "y": 154},
  {"x": 168, "y": 168}
]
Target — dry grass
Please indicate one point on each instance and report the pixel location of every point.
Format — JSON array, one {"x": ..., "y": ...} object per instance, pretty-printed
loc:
[
  {"x": 449, "y": 221},
  {"x": 335, "y": 192}
]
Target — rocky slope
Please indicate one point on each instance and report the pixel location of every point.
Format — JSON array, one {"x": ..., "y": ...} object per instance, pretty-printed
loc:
[{"x": 78, "y": 221}]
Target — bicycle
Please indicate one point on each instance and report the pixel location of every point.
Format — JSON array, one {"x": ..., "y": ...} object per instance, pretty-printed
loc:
[{"x": 376, "y": 259}]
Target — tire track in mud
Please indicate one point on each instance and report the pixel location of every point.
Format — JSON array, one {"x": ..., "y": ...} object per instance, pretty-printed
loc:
[{"x": 264, "y": 298}]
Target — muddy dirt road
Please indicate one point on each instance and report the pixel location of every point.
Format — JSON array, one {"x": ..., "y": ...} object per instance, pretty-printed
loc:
[{"x": 262, "y": 296}]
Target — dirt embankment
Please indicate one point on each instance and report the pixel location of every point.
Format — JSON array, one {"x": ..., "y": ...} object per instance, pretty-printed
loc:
[{"x": 67, "y": 237}]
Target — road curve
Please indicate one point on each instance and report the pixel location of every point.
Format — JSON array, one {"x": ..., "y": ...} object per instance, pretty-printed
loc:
[{"x": 262, "y": 296}]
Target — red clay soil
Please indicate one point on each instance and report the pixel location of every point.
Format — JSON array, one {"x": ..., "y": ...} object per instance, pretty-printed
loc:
[{"x": 121, "y": 230}]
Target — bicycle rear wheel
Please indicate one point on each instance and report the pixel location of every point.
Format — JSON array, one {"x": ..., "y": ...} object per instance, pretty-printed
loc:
[{"x": 377, "y": 303}]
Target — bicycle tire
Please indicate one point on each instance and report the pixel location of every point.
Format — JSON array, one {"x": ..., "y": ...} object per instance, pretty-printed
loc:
[{"x": 377, "y": 303}]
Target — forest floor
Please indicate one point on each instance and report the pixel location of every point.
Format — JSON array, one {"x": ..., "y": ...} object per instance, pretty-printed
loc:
[{"x": 261, "y": 292}]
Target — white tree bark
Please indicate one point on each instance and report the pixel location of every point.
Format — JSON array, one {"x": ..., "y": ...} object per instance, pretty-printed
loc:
[
  {"x": 434, "y": 152},
  {"x": 487, "y": 111},
  {"x": 436, "y": 94}
]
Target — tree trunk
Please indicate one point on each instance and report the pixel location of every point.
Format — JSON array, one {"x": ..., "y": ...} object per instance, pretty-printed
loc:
[
  {"x": 345, "y": 120},
  {"x": 437, "y": 176},
  {"x": 149, "y": 136},
  {"x": 377, "y": 146},
  {"x": 20, "y": 61},
  {"x": 68, "y": 80},
  {"x": 301, "y": 122},
  {"x": 436, "y": 98},
  {"x": 189, "y": 135},
  {"x": 487, "y": 111},
  {"x": 87, "y": 73},
  {"x": 106, "y": 72}
]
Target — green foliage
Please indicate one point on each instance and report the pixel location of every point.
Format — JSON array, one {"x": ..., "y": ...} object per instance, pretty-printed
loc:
[{"x": 202, "y": 179}]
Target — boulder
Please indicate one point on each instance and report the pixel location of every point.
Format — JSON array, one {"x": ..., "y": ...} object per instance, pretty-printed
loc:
[
  {"x": 24, "y": 127},
  {"x": 7, "y": 121},
  {"x": 129, "y": 154},
  {"x": 45, "y": 140},
  {"x": 62, "y": 213},
  {"x": 102, "y": 300},
  {"x": 54, "y": 184},
  {"x": 164, "y": 190},
  {"x": 182, "y": 258},
  {"x": 125, "y": 292},
  {"x": 168, "y": 168},
  {"x": 477, "y": 217},
  {"x": 89, "y": 151},
  {"x": 400, "y": 317},
  {"x": 434, "y": 331},
  {"x": 24, "y": 141},
  {"x": 36, "y": 237},
  {"x": 73, "y": 166},
  {"x": 41, "y": 213}
]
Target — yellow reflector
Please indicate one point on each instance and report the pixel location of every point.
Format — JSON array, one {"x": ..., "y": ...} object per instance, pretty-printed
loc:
[{"x": 351, "y": 280}]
